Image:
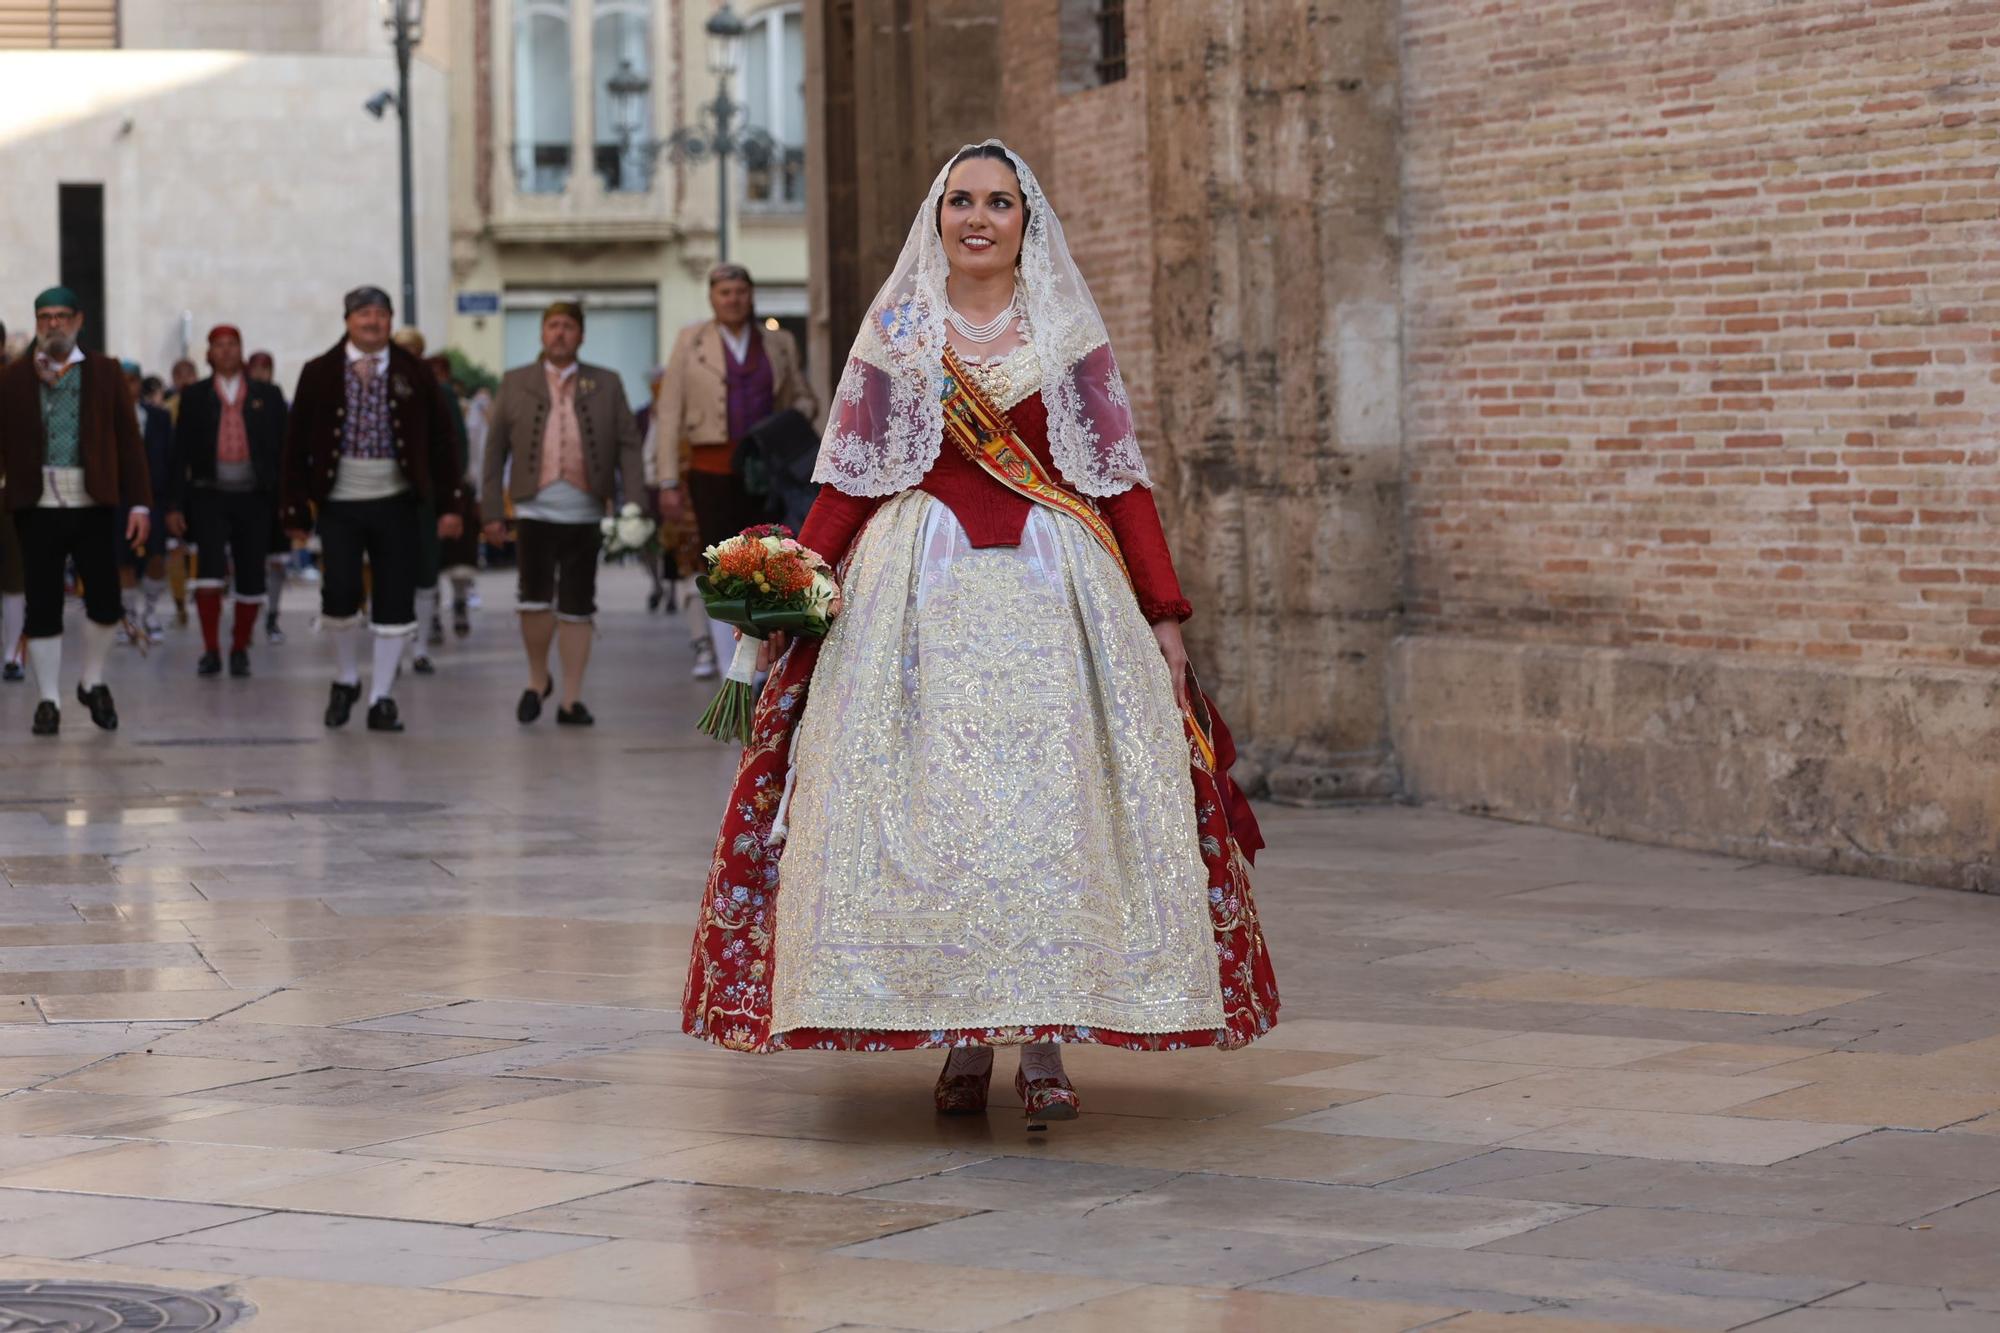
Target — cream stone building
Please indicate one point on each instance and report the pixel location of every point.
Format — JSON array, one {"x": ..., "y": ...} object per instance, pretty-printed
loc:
[
  {"x": 558, "y": 187},
  {"x": 189, "y": 162}
]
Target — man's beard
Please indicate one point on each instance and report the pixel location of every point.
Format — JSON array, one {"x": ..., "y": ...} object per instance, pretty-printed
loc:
[{"x": 56, "y": 346}]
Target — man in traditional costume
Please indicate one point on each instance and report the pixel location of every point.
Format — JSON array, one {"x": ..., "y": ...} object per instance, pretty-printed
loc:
[
  {"x": 569, "y": 434},
  {"x": 368, "y": 457},
  {"x": 73, "y": 461},
  {"x": 262, "y": 368},
  {"x": 725, "y": 375},
  {"x": 142, "y": 571},
  {"x": 990, "y": 808},
  {"x": 222, "y": 493}
]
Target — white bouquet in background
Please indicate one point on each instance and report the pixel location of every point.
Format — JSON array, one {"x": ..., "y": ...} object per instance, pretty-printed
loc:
[{"x": 630, "y": 533}]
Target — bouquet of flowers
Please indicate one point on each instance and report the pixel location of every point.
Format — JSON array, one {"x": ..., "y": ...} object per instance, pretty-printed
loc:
[
  {"x": 631, "y": 533},
  {"x": 762, "y": 582}
]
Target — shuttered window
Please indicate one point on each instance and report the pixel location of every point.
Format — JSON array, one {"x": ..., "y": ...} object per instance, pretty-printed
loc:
[{"x": 42, "y": 25}]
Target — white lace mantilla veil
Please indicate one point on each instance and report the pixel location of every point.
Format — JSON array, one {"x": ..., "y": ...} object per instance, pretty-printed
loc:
[{"x": 887, "y": 423}]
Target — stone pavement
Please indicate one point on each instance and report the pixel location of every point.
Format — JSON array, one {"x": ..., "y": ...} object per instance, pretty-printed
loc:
[{"x": 416, "y": 1066}]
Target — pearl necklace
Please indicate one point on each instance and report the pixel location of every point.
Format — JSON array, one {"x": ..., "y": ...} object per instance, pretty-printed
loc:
[{"x": 991, "y": 329}]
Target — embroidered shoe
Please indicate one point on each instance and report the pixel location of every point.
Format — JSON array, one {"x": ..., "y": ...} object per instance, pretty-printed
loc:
[
  {"x": 962, "y": 1086},
  {"x": 1047, "y": 1098}
]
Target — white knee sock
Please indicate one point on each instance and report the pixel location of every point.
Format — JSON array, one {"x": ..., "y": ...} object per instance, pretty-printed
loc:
[
  {"x": 388, "y": 657},
  {"x": 128, "y": 598},
  {"x": 347, "y": 652},
  {"x": 97, "y": 641},
  {"x": 13, "y": 618},
  {"x": 46, "y": 655},
  {"x": 427, "y": 608},
  {"x": 153, "y": 588},
  {"x": 275, "y": 570}
]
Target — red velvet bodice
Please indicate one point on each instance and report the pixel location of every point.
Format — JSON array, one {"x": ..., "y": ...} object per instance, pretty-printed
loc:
[{"x": 992, "y": 515}]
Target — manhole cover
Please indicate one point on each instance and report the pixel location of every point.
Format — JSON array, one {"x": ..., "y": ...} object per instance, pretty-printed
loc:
[
  {"x": 234, "y": 740},
  {"x": 343, "y": 808},
  {"x": 100, "y": 1307}
]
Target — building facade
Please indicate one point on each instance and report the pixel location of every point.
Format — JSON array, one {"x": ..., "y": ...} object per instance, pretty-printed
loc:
[
  {"x": 559, "y": 186},
  {"x": 1578, "y": 414},
  {"x": 190, "y": 162}
]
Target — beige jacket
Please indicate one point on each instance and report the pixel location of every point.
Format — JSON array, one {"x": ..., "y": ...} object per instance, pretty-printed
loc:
[
  {"x": 694, "y": 394},
  {"x": 519, "y": 418}
]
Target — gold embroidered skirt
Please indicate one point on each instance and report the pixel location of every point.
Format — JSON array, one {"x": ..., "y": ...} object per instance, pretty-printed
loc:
[{"x": 993, "y": 823}]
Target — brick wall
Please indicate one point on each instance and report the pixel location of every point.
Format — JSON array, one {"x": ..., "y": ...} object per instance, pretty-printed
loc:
[{"x": 1700, "y": 310}]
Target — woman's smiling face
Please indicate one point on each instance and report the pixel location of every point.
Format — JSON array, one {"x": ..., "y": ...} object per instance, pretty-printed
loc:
[{"x": 980, "y": 218}]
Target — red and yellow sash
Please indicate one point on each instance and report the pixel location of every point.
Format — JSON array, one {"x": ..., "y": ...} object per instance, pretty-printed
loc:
[{"x": 986, "y": 435}]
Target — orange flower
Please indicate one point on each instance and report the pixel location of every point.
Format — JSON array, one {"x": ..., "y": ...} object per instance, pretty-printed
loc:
[
  {"x": 739, "y": 561},
  {"x": 787, "y": 574}
]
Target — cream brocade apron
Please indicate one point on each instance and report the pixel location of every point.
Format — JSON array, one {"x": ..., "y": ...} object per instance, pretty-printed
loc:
[{"x": 993, "y": 823}]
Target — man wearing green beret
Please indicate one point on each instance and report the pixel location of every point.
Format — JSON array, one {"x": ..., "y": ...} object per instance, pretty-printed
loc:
[{"x": 72, "y": 456}]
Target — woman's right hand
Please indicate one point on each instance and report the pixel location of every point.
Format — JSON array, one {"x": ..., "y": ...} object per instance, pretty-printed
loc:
[{"x": 772, "y": 649}]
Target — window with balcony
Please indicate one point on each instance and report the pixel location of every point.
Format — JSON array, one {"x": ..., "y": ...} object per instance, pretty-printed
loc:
[
  {"x": 774, "y": 91},
  {"x": 46, "y": 25},
  {"x": 543, "y": 120},
  {"x": 622, "y": 52}
]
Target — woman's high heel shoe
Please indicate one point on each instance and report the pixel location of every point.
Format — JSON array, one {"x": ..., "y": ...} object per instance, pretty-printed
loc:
[
  {"x": 962, "y": 1086},
  {"x": 1047, "y": 1098}
]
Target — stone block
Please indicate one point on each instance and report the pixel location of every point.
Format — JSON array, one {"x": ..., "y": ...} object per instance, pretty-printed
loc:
[{"x": 1694, "y": 750}]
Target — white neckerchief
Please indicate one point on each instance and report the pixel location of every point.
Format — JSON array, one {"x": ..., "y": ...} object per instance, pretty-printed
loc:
[
  {"x": 226, "y": 387},
  {"x": 738, "y": 343}
]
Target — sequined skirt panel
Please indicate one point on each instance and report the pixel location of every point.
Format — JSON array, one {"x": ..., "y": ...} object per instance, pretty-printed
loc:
[{"x": 993, "y": 823}]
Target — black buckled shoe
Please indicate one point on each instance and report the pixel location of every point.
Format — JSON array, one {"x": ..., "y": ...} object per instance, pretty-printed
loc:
[
  {"x": 209, "y": 665},
  {"x": 239, "y": 663},
  {"x": 341, "y": 704},
  {"x": 98, "y": 700},
  {"x": 574, "y": 715},
  {"x": 48, "y": 718},
  {"x": 423, "y": 665},
  {"x": 382, "y": 716},
  {"x": 530, "y": 706},
  {"x": 12, "y": 671}
]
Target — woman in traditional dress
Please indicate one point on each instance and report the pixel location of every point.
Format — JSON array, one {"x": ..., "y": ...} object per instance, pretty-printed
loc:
[{"x": 989, "y": 808}]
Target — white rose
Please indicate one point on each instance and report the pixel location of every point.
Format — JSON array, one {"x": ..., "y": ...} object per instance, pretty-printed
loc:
[{"x": 634, "y": 530}]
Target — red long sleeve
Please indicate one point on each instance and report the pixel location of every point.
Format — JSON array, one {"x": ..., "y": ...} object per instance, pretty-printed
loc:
[
  {"x": 1135, "y": 521},
  {"x": 835, "y": 521}
]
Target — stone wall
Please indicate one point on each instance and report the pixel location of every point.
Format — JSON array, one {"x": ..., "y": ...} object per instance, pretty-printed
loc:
[{"x": 1699, "y": 306}]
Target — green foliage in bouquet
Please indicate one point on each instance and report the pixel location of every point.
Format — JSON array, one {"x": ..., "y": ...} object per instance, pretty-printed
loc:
[{"x": 761, "y": 582}]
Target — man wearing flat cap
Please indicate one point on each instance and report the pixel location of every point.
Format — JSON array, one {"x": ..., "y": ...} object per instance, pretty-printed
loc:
[
  {"x": 221, "y": 493},
  {"x": 368, "y": 452},
  {"x": 572, "y": 441},
  {"x": 72, "y": 456}
]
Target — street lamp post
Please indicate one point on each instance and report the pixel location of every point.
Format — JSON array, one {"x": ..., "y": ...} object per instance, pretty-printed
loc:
[
  {"x": 721, "y": 130},
  {"x": 405, "y": 21}
]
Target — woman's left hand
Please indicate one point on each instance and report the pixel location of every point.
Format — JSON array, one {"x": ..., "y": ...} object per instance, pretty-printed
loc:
[{"x": 1168, "y": 632}]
